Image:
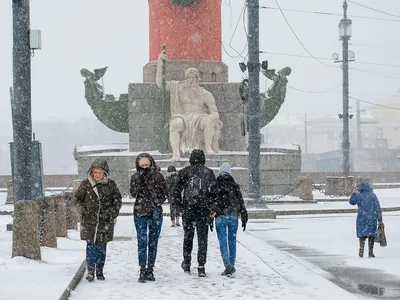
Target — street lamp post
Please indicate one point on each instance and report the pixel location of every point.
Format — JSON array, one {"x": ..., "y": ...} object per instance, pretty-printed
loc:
[
  {"x": 21, "y": 100},
  {"x": 344, "y": 36}
]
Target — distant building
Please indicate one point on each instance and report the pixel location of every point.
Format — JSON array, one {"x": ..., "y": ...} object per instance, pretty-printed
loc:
[{"x": 380, "y": 138}]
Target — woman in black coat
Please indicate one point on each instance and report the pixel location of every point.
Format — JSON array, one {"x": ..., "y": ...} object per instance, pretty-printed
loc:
[{"x": 150, "y": 192}]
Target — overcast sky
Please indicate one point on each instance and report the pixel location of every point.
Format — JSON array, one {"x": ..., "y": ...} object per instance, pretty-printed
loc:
[{"x": 114, "y": 33}]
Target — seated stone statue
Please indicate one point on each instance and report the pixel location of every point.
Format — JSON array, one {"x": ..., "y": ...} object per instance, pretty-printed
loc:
[{"x": 195, "y": 122}]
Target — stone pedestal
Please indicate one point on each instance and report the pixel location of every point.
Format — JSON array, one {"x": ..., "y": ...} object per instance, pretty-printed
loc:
[
  {"x": 279, "y": 172},
  {"x": 71, "y": 211},
  {"x": 10, "y": 193},
  {"x": 335, "y": 186},
  {"x": 146, "y": 115},
  {"x": 350, "y": 185},
  {"x": 26, "y": 236},
  {"x": 360, "y": 179},
  {"x": 306, "y": 189},
  {"x": 61, "y": 216},
  {"x": 49, "y": 237}
]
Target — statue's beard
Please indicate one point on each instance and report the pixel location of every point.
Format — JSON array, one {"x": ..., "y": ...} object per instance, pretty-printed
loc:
[{"x": 193, "y": 90}]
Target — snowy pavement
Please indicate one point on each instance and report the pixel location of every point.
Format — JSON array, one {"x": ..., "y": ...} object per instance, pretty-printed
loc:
[
  {"x": 293, "y": 257},
  {"x": 46, "y": 279},
  {"x": 263, "y": 272}
]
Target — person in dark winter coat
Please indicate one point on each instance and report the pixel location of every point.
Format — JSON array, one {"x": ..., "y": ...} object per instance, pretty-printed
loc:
[
  {"x": 369, "y": 213},
  {"x": 228, "y": 206},
  {"x": 149, "y": 189},
  {"x": 196, "y": 182},
  {"x": 171, "y": 179},
  {"x": 99, "y": 200}
]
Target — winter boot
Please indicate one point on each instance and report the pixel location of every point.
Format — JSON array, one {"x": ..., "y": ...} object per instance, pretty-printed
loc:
[
  {"x": 233, "y": 270},
  {"x": 177, "y": 222},
  {"x": 143, "y": 275},
  {"x": 371, "y": 247},
  {"x": 227, "y": 271},
  {"x": 185, "y": 267},
  {"x": 150, "y": 275},
  {"x": 99, "y": 274},
  {"x": 361, "y": 250},
  {"x": 201, "y": 271},
  {"x": 90, "y": 274},
  {"x": 173, "y": 223}
]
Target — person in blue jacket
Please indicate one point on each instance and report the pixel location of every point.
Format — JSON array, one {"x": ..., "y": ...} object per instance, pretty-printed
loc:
[{"x": 369, "y": 213}]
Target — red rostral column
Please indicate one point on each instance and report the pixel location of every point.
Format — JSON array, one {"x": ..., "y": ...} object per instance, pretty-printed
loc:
[
  {"x": 190, "y": 33},
  {"x": 192, "y": 36}
]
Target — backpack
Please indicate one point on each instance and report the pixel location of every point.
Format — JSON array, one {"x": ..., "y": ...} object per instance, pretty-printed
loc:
[{"x": 196, "y": 189}]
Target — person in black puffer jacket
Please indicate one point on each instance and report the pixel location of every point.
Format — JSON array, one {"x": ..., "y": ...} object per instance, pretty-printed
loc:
[
  {"x": 195, "y": 182},
  {"x": 150, "y": 192},
  {"x": 228, "y": 206}
]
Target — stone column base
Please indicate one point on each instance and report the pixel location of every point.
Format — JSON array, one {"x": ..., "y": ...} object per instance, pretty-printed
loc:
[
  {"x": 26, "y": 236},
  {"x": 210, "y": 71},
  {"x": 306, "y": 189}
]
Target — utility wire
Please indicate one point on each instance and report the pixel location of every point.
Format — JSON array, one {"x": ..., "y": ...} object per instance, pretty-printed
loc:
[
  {"x": 298, "y": 39},
  {"x": 372, "y": 94},
  {"x": 374, "y": 9},
  {"x": 315, "y": 92},
  {"x": 329, "y": 13},
  {"x": 330, "y": 59},
  {"x": 376, "y": 104},
  {"x": 374, "y": 46},
  {"x": 239, "y": 54},
  {"x": 376, "y": 74}
]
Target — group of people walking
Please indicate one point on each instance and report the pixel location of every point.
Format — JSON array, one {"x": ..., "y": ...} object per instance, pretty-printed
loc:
[
  {"x": 194, "y": 192},
  {"x": 202, "y": 199}
]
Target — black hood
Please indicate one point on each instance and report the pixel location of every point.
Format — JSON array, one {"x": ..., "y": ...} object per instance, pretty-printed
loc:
[
  {"x": 153, "y": 165},
  {"x": 225, "y": 177},
  {"x": 197, "y": 157}
]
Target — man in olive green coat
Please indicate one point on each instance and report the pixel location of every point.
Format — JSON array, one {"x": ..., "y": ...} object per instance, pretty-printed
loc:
[{"x": 99, "y": 200}]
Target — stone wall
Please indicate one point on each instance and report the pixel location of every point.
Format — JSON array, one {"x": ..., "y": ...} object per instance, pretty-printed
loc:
[{"x": 49, "y": 181}]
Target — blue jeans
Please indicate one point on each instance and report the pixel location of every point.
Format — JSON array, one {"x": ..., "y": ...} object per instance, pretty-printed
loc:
[
  {"x": 95, "y": 255},
  {"x": 227, "y": 227},
  {"x": 148, "y": 229}
]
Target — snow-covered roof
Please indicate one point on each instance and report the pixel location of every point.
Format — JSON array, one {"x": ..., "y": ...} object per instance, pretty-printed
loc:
[{"x": 102, "y": 147}]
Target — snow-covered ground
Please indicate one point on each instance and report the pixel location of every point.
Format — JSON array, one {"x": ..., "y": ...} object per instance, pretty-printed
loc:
[
  {"x": 22, "y": 278},
  {"x": 299, "y": 257}
]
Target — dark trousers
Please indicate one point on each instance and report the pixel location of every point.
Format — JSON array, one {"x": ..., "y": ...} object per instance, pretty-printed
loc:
[
  {"x": 148, "y": 229},
  {"x": 174, "y": 212},
  {"x": 190, "y": 222},
  {"x": 95, "y": 255},
  {"x": 371, "y": 240}
]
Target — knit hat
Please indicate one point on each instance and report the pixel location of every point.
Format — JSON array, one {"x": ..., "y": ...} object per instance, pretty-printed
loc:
[
  {"x": 171, "y": 169},
  {"x": 225, "y": 168}
]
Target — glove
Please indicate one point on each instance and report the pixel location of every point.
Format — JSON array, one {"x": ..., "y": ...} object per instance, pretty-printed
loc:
[
  {"x": 244, "y": 218},
  {"x": 212, "y": 227},
  {"x": 244, "y": 225}
]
